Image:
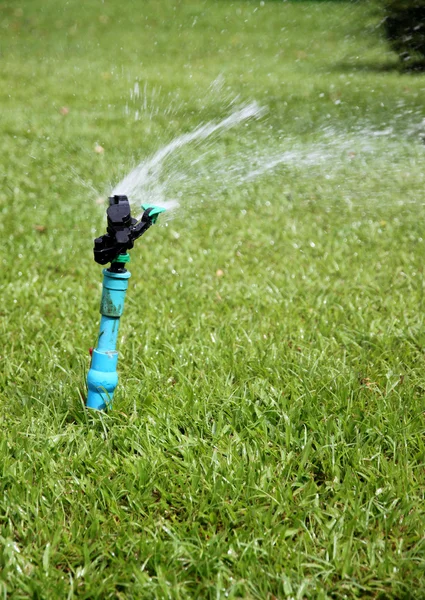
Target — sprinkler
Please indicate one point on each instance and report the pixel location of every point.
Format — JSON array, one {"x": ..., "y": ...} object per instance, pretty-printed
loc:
[{"x": 122, "y": 231}]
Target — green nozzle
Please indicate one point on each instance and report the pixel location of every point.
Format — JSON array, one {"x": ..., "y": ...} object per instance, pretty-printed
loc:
[{"x": 154, "y": 212}]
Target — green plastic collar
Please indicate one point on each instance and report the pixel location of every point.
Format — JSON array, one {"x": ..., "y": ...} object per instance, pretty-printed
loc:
[{"x": 122, "y": 258}]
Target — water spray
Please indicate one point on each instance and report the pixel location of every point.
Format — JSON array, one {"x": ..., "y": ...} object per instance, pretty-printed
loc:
[{"x": 122, "y": 231}]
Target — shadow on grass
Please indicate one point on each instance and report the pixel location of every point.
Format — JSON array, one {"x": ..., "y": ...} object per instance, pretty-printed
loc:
[
  {"x": 370, "y": 67},
  {"x": 308, "y": 1},
  {"x": 316, "y": 1}
]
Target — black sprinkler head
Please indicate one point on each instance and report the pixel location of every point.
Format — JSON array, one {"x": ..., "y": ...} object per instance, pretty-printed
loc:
[{"x": 122, "y": 229}]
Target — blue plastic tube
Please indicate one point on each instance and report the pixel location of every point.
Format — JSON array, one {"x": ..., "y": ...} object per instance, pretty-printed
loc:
[{"x": 102, "y": 378}]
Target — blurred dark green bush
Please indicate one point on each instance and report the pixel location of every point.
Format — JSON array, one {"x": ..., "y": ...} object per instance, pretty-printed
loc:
[{"x": 405, "y": 29}]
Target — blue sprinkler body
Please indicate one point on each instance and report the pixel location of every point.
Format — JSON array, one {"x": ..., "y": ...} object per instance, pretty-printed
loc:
[
  {"x": 102, "y": 378},
  {"x": 112, "y": 247}
]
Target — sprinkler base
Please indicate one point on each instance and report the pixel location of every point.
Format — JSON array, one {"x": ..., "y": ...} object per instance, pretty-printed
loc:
[{"x": 102, "y": 379}]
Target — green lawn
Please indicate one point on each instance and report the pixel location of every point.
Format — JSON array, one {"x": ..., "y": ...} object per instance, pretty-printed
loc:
[{"x": 267, "y": 437}]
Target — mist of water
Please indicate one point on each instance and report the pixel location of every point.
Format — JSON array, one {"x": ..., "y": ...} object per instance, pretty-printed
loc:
[
  {"x": 146, "y": 184},
  {"x": 197, "y": 167}
]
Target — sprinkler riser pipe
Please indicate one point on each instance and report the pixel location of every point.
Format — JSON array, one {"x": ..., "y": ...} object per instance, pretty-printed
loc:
[{"x": 102, "y": 378}]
